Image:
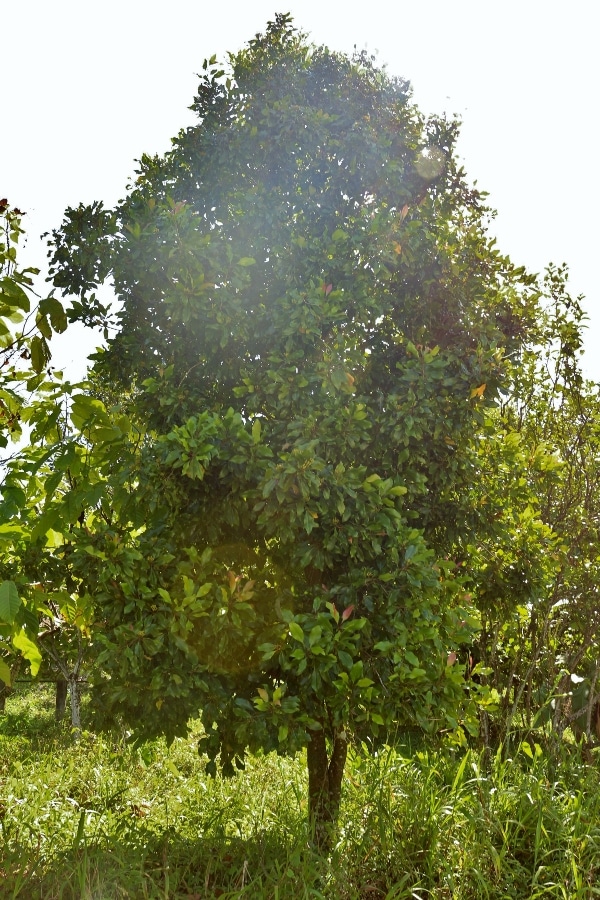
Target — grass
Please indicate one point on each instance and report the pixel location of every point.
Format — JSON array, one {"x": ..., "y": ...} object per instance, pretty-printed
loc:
[{"x": 102, "y": 820}]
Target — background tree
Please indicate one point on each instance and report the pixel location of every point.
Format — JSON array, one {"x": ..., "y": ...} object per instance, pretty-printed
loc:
[
  {"x": 531, "y": 551},
  {"x": 51, "y": 492},
  {"x": 314, "y": 321},
  {"x": 511, "y": 556},
  {"x": 27, "y": 323},
  {"x": 552, "y": 409}
]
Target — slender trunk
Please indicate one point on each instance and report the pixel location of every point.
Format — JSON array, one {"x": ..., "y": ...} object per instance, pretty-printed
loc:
[
  {"x": 73, "y": 679},
  {"x": 484, "y": 735},
  {"x": 591, "y": 704},
  {"x": 61, "y": 699},
  {"x": 563, "y": 713},
  {"x": 74, "y": 691},
  {"x": 325, "y": 785}
]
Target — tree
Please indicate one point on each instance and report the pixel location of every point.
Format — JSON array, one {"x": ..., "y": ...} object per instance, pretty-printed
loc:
[
  {"x": 532, "y": 549},
  {"x": 314, "y": 321},
  {"x": 50, "y": 493},
  {"x": 27, "y": 323},
  {"x": 553, "y": 413}
]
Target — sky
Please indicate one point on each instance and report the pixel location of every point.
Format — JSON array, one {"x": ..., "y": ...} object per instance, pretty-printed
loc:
[{"x": 88, "y": 87}]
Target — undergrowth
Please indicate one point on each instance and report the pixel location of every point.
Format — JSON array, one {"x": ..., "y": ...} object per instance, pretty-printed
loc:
[{"x": 100, "y": 819}]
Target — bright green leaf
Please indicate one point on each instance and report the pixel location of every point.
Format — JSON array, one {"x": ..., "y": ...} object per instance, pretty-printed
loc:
[
  {"x": 4, "y": 673},
  {"x": 29, "y": 650},
  {"x": 296, "y": 632}
]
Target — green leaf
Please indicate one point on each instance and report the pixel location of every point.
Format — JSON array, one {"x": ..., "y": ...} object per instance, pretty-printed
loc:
[
  {"x": 315, "y": 635},
  {"x": 346, "y": 660},
  {"x": 9, "y": 601},
  {"x": 246, "y": 261},
  {"x": 105, "y": 435},
  {"x": 356, "y": 671},
  {"x": 44, "y": 326},
  {"x": 383, "y": 646},
  {"x": 53, "y": 308},
  {"x": 417, "y": 672},
  {"x": 29, "y": 650},
  {"x": 4, "y": 673},
  {"x": 526, "y": 748},
  {"x": 12, "y": 294},
  {"x": 296, "y": 632},
  {"x": 338, "y": 377},
  {"x": 38, "y": 353},
  {"x": 30, "y": 619},
  {"x": 9, "y": 530}
]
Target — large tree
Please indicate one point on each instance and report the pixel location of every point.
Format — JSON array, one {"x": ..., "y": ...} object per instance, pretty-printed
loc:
[{"x": 313, "y": 321}]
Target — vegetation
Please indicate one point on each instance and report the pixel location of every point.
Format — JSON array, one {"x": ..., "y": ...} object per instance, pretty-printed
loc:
[
  {"x": 101, "y": 819},
  {"x": 28, "y": 394},
  {"x": 333, "y": 483}
]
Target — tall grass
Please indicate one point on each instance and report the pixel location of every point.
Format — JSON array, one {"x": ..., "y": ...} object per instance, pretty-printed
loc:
[{"x": 102, "y": 820}]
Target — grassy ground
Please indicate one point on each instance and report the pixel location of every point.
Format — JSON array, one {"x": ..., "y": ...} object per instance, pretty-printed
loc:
[{"x": 101, "y": 820}]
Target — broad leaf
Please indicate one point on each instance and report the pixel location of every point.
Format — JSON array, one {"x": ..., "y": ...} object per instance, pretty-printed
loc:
[
  {"x": 4, "y": 673},
  {"x": 9, "y": 602},
  {"x": 29, "y": 650}
]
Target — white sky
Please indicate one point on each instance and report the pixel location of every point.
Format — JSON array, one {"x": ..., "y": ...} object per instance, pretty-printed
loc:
[{"x": 88, "y": 87}]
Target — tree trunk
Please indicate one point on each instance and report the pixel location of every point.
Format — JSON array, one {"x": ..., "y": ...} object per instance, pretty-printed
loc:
[
  {"x": 61, "y": 699},
  {"x": 73, "y": 679},
  {"x": 325, "y": 785},
  {"x": 74, "y": 691},
  {"x": 592, "y": 705}
]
